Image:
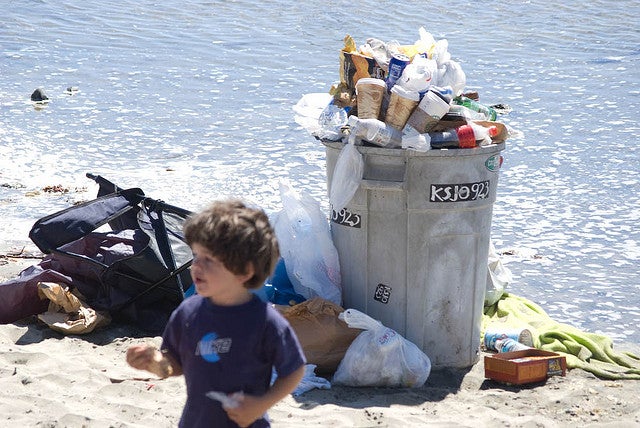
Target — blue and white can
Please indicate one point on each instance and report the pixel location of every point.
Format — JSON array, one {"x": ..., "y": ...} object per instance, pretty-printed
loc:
[
  {"x": 523, "y": 336},
  {"x": 510, "y": 345},
  {"x": 397, "y": 63}
]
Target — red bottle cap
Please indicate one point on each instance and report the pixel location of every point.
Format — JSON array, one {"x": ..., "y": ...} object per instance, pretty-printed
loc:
[{"x": 466, "y": 137}]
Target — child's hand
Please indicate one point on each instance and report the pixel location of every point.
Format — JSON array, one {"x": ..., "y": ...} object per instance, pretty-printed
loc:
[
  {"x": 249, "y": 409},
  {"x": 139, "y": 356},
  {"x": 146, "y": 357}
]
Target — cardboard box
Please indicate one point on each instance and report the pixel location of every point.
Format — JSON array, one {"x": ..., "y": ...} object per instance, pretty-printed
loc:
[{"x": 519, "y": 367}]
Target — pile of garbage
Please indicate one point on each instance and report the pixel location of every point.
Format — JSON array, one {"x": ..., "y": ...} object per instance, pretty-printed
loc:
[
  {"x": 401, "y": 96},
  {"x": 347, "y": 345}
]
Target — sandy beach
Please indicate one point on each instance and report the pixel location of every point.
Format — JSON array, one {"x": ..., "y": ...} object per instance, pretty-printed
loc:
[{"x": 51, "y": 380}]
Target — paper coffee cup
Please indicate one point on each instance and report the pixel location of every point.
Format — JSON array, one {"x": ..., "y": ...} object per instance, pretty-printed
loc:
[
  {"x": 428, "y": 112},
  {"x": 401, "y": 105},
  {"x": 369, "y": 93}
]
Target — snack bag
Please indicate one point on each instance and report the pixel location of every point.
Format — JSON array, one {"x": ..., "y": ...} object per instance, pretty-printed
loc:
[{"x": 353, "y": 66}]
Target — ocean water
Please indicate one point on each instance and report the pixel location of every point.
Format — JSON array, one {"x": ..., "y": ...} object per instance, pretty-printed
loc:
[{"x": 192, "y": 101}]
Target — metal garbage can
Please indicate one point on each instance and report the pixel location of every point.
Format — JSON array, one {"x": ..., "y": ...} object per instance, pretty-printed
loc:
[{"x": 413, "y": 244}]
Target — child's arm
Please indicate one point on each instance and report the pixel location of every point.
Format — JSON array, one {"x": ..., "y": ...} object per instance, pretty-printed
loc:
[
  {"x": 146, "y": 357},
  {"x": 253, "y": 407}
]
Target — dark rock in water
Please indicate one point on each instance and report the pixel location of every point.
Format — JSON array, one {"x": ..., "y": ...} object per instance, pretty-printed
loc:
[
  {"x": 39, "y": 96},
  {"x": 71, "y": 90},
  {"x": 501, "y": 108}
]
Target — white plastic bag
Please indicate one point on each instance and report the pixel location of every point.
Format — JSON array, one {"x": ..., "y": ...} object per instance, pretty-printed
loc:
[
  {"x": 450, "y": 74},
  {"x": 417, "y": 76},
  {"x": 441, "y": 51},
  {"x": 307, "y": 248},
  {"x": 309, "y": 108},
  {"x": 317, "y": 113},
  {"x": 310, "y": 381},
  {"x": 426, "y": 41},
  {"x": 379, "y": 356},
  {"x": 498, "y": 277},
  {"x": 347, "y": 176}
]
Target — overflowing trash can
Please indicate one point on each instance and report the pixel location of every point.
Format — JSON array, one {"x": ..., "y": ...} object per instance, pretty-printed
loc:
[
  {"x": 412, "y": 159},
  {"x": 413, "y": 244}
]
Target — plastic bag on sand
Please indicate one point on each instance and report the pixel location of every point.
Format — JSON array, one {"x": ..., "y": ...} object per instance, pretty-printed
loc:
[
  {"x": 308, "y": 382},
  {"x": 307, "y": 248},
  {"x": 380, "y": 356},
  {"x": 347, "y": 176}
]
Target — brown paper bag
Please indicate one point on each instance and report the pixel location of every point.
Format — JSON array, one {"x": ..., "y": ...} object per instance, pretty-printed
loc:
[
  {"x": 66, "y": 313},
  {"x": 323, "y": 336}
]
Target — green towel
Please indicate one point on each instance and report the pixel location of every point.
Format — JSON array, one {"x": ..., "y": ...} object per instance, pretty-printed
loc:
[{"x": 587, "y": 351}]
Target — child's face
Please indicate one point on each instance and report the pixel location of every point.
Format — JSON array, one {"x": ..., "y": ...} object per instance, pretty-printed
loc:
[{"x": 213, "y": 280}]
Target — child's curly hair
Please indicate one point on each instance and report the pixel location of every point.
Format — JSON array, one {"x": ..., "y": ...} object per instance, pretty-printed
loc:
[{"x": 237, "y": 235}]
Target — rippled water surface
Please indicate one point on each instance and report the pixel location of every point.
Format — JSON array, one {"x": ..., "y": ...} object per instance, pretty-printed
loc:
[{"x": 191, "y": 100}]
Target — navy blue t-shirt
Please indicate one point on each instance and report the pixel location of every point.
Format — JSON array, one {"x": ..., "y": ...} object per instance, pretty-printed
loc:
[{"x": 228, "y": 349}]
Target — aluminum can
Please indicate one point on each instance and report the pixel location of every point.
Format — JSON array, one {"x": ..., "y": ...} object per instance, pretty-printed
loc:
[
  {"x": 523, "y": 336},
  {"x": 509, "y": 345},
  {"x": 397, "y": 63}
]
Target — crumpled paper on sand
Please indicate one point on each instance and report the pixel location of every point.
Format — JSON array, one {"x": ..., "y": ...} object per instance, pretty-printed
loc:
[
  {"x": 587, "y": 351},
  {"x": 66, "y": 313}
]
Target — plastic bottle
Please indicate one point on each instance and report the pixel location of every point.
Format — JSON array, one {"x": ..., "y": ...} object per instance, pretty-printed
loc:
[
  {"x": 463, "y": 137},
  {"x": 488, "y": 112},
  {"x": 466, "y": 112},
  {"x": 375, "y": 131},
  {"x": 508, "y": 345},
  {"x": 331, "y": 120}
]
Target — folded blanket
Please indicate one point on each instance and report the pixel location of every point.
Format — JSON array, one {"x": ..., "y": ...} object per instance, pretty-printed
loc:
[{"x": 587, "y": 351}]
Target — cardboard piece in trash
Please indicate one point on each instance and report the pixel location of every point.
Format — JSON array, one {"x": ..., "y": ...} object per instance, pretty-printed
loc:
[{"x": 526, "y": 366}]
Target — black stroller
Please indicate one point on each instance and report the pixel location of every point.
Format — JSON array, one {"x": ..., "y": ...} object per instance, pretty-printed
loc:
[{"x": 124, "y": 252}]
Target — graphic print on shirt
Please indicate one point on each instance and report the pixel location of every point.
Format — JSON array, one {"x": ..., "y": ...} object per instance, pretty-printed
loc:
[{"x": 210, "y": 347}]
